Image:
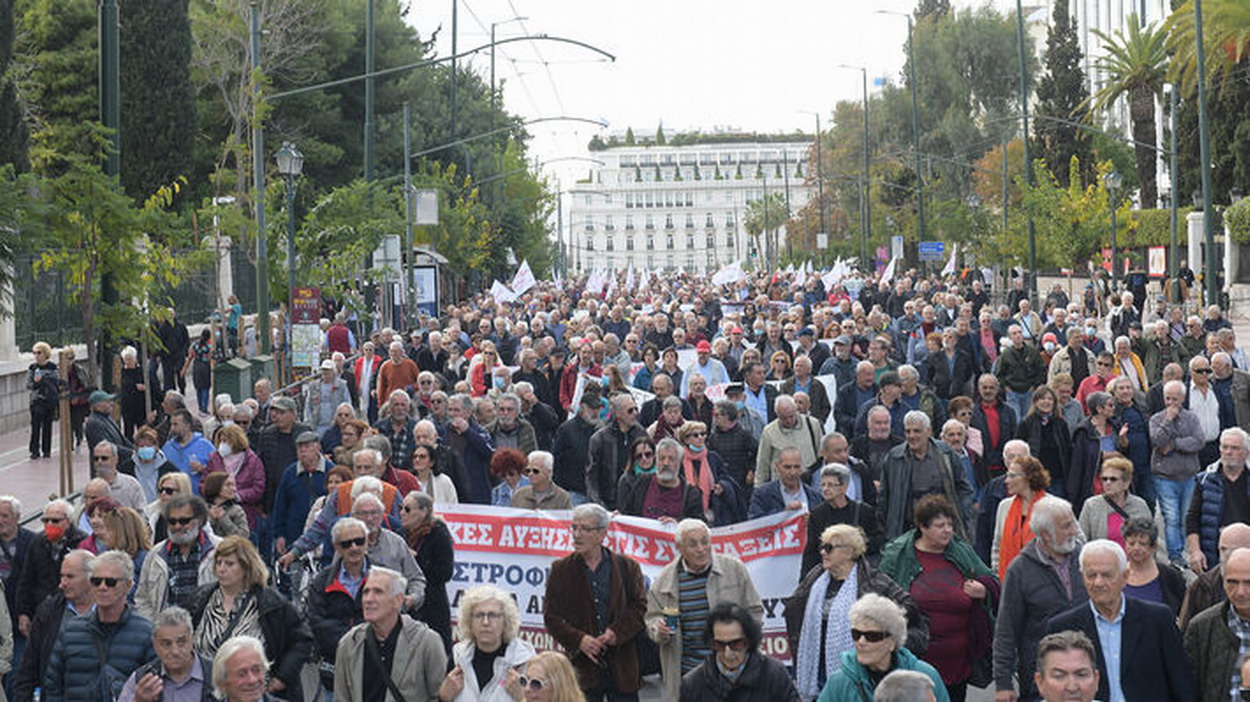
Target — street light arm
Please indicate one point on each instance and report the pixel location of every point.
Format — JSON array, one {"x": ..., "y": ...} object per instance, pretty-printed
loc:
[
  {"x": 483, "y": 135},
  {"x": 432, "y": 62}
]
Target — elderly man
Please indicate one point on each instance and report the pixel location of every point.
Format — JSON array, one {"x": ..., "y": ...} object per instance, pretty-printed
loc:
[
  {"x": 510, "y": 429},
  {"x": 758, "y": 395},
  {"x": 1129, "y": 365},
  {"x": 1220, "y": 498},
  {"x": 1073, "y": 358},
  {"x": 594, "y": 608},
  {"x": 101, "y": 427},
  {"x": 889, "y": 396},
  {"x": 921, "y": 466},
  {"x": 682, "y": 595},
  {"x": 788, "y": 491},
  {"x": 180, "y": 564},
  {"x": 1041, "y": 582},
  {"x": 123, "y": 488},
  {"x": 302, "y": 483},
  {"x": 397, "y": 427},
  {"x": 712, "y": 370},
  {"x": 38, "y": 578},
  {"x": 1066, "y": 668},
  {"x": 1020, "y": 370},
  {"x": 1160, "y": 350},
  {"x": 664, "y": 495},
  {"x": 1138, "y": 646},
  {"x": 276, "y": 448},
  {"x": 914, "y": 396},
  {"x": 74, "y": 598},
  {"x": 854, "y": 395},
  {"x": 1176, "y": 437},
  {"x": 388, "y": 549},
  {"x": 322, "y": 397},
  {"x": 94, "y": 654},
  {"x": 570, "y": 446},
  {"x": 388, "y": 655},
  {"x": 788, "y": 430},
  {"x": 177, "y": 668},
  {"x": 1213, "y": 642},
  {"x": 470, "y": 441},
  {"x": 541, "y": 493},
  {"x": 333, "y": 605},
  {"x": 1208, "y": 588},
  {"x": 609, "y": 450},
  {"x": 398, "y": 372},
  {"x": 241, "y": 670},
  {"x": 662, "y": 386},
  {"x": 803, "y": 381},
  {"x": 996, "y": 420}
]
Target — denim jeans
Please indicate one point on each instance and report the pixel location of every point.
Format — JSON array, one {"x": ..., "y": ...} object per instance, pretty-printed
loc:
[
  {"x": 1174, "y": 496},
  {"x": 577, "y": 498},
  {"x": 1020, "y": 402}
]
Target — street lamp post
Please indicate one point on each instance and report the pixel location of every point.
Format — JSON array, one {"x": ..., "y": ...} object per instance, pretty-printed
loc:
[
  {"x": 1204, "y": 161},
  {"x": 290, "y": 165},
  {"x": 258, "y": 187},
  {"x": 1028, "y": 156},
  {"x": 915, "y": 120},
  {"x": 866, "y": 192},
  {"x": 1114, "y": 181}
]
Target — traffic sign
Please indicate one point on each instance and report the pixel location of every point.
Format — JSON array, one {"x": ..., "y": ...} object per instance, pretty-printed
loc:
[{"x": 932, "y": 250}]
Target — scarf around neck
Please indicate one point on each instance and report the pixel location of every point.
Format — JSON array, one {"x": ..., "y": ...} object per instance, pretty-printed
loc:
[
  {"x": 837, "y": 631},
  {"x": 699, "y": 474}
]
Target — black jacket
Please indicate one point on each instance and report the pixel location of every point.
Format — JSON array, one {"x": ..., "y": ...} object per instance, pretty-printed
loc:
[
  {"x": 571, "y": 452},
  {"x": 737, "y": 448},
  {"x": 436, "y": 557},
  {"x": 692, "y": 500},
  {"x": 44, "y": 627},
  {"x": 41, "y": 573},
  {"x": 763, "y": 678},
  {"x": 1152, "y": 659},
  {"x": 287, "y": 638},
  {"x": 1007, "y": 422},
  {"x": 545, "y": 422},
  {"x": 945, "y": 381},
  {"x": 331, "y": 613}
]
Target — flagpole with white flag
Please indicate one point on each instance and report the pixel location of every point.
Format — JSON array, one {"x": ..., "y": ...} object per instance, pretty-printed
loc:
[{"x": 949, "y": 269}]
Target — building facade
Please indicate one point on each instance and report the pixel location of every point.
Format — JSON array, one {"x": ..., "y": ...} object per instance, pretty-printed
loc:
[{"x": 670, "y": 207}]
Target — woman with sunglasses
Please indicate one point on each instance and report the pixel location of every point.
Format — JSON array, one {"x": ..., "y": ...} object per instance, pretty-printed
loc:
[
  {"x": 482, "y": 375},
  {"x": 242, "y": 603},
  {"x": 734, "y": 636},
  {"x": 508, "y": 465},
  {"x": 641, "y": 466},
  {"x": 953, "y": 586},
  {"x": 817, "y": 623},
  {"x": 704, "y": 469},
  {"x": 432, "y": 547},
  {"x": 435, "y": 483},
  {"x": 549, "y": 677},
  {"x": 1092, "y": 440},
  {"x": 879, "y": 632},
  {"x": 170, "y": 484},
  {"x": 1105, "y": 516},
  {"x": 489, "y": 655}
]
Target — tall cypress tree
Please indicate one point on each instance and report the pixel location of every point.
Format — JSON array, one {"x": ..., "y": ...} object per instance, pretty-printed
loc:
[
  {"x": 158, "y": 101},
  {"x": 12, "y": 129},
  {"x": 1061, "y": 95},
  {"x": 935, "y": 8}
]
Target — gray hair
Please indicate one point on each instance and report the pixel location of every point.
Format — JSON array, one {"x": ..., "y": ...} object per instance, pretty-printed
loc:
[
  {"x": 509, "y": 397},
  {"x": 380, "y": 445},
  {"x": 480, "y": 595},
  {"x": 544, "y": 459},
  {"x": 374, "y": 456},
  {"x": 908, "y": 372},
  {"x": 344, "y": 524},
  {"x": 366, "y": 498},
  {"x": 232, "y": 647},
  {"x": 686, "y": 526},
  {"x": 112, "y": 447},
  {"x": 668, "y": 443},
  {"x": 465, "y": 401},
  {"x": 830, "y": 437},
  {"x": 118, "y": 559},
  {"x": 1096, "y": 400},
  {"x": 398, "y": 392},
  {"x": 523, "y": 387},
  {"x": 172, "y": 616},
  {"x": 671, "y": 401},
  {"x": 918, "y": 417},
  {"x": 1104, "y": 546},
  {"x": 903, "y": 686},
  {"x": 836, "y": 470},
  {"x": 1045, "y": 511},
  {"x": 885, "y": 613},
  {"x": 366, "y": 483},
  {"x": 1231, "y": 431},
  {"x": 399, "y": 584},
  {"x": 593, "y": 511},
  {"x": 14, "y": 504}
]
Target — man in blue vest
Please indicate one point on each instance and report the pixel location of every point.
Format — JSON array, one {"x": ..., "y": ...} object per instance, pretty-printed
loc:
[{"x": 1221, "y": 497}]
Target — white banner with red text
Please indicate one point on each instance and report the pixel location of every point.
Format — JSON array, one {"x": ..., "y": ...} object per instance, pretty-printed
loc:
[{"x": 513, "y": 549}]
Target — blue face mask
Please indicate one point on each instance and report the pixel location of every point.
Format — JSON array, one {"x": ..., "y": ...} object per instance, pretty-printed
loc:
[
  {"x": 694, "y": 448},
  {"x": 146, "y": 453},
  {"x": 740, "y": 405},
  {"x": 500, "y": 382}
]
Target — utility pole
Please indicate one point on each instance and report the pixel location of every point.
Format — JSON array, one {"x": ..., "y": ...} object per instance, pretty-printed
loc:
[
  {"x": 370, "y": 59},
  {"x": 866, "y": 189},
  {"x": 455, "y": 10},
  {"x": 110, "y": 116},
  {"x": 258, "y": 196},
  {"x": 1028, "y": 156},
  {"x": 915, "y": 126},
  {"x": 1211, "y": 276},
  {"x": 785, "y": 178},
  {"x": 410, "y": 299}
]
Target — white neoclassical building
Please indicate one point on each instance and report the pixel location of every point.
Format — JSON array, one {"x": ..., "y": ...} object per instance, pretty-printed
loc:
[{"x": 669, "y": 207}]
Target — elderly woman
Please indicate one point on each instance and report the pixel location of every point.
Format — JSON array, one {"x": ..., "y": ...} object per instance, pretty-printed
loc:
[
  {"x": 879, "y": 629},
  {"x": 817, "y": 623},
  {"x": 669, "y": 421},
  {"x": 508, "y": 465},
  {"x": 170, "y": 484},
  {"x": 430, "y": 543},
  {"x": 235, "y": 457},
  {"x": 352, "y": 435},
  {"x": 1104, "y": 516},
  {"x": 951, "y": 585},
  {"x": 224, "y": 512},
  {"x": 642, "y": 379},
  {"x": 669, "y": 367},
  {"x": 148, "y": 463},
  {"x": 1150, "y": 578},
  {"x": 241, "y": 603},
  {"x": 489, "y": 653},
  {"x": 1026, "y": 481},
  {"x": 95, "y": 510},
  {"x": 778, "y": 366},
  {"x": 700, "y": 404},
  {"x": 1048, "y": 438},
  {"x": 1092, "y": 439},
  {"x": 134, "y": 391},
  {"x": 961, "y": 408},
  {"x": 43, "y": 382},
  {"x": 333, "y": 436},
  {"x": 839, "y": 509},
  {"x": 549, "y": 677},
  {"x": 436, "y": 484},
  {"x": 704, "y": 469},
  {"x": 482, "y": 375},
  {"x": 1134, "y": 436}
]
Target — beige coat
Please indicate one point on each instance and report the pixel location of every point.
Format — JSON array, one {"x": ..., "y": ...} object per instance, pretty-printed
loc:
[
  {"x": 418, "y": 667},
  {"x": 152, "y": 592},
  {"x": 729, "y": 581}
]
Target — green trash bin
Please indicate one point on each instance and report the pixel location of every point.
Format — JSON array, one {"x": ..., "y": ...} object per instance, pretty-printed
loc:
[
  {"x": 262, "y": 367},
  {"x": 234, "y": 378}
]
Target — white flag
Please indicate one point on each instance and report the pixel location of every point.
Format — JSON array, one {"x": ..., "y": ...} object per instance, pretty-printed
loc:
[
  {"x": 888, "y": 274},
  {"x": 524, "y": 279},
  {"x": 731, "y": 273},
  {"x": 501, "y": 293},
  {"x": 611, "y": 284},
  {"x": 629, "y": 278},
  {"x": 949, "y": 269}
]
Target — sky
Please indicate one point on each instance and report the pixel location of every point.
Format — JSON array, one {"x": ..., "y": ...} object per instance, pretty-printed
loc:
[{"x": 686, "y": 64}]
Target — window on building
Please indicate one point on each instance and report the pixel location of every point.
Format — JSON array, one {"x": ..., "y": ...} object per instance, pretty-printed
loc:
[
  {"x": 711, "y": 258},
  {"x": 649, "y": 196},
  {"x": 689, "y": 241},
  {"x": 629, "y": 243},
  {"x": 668, "y": 198},
  {"x": 671, "y": 261},
  {"x": 689, "y": 199},
  {"x": 651, "y": 242},
  {"x": 611, "y": 243},
  {"x": 690, "y": 262},
  {"x": 689, "y": 221},
  {"x": 589, "y": 199},
  {"x": 669, "y": 241},
  {"x": 729, "y": 241},
  {"x": 650, "y": 224},
  {"x": 729, "y": 219},
  {"x": 668, "y": 221},
  {"x": 607, "y": 223},
  {"x": 708, "y": 222},
  {"x": 629, "y": 222},
  {"x": 629, "y": 201},
  {"x": 590, "y": 223},
  {"x": 590, "y": 243},
  {"x": 711, "y": 241}
]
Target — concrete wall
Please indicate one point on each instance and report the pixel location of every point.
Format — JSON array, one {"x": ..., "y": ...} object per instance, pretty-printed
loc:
[{"x": 14, "y": 397}]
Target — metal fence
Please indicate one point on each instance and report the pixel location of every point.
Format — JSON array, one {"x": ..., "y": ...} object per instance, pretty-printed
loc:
[{"x": 44, "y": 311}]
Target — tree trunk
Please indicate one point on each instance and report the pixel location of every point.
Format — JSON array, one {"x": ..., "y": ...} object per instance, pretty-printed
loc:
[{"x": 1142, "y": 112}]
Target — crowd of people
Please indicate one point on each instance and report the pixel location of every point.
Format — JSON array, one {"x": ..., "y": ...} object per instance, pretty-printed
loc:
[{"x": 1039, "y": 496}]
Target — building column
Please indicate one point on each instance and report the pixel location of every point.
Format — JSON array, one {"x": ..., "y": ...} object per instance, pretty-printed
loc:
[{"x": 1193, "y": 227}]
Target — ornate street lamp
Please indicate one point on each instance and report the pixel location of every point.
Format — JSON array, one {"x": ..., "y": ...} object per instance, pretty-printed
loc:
[
  {"x": 1113, "y": 181},
  {"x": 290, "y": 165}
]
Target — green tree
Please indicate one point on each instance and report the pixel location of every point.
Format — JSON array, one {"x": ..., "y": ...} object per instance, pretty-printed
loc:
[
  {"x": 659, "y": 136},
  {"x": 629, "y": 136},
  {"x": 932, "y": 8},
  {"x": 763, "y": 217},
  {"x": 1062, "y": 98},
  {"x": 1226, "y": 33},
  {"x": 158, "y": 102},
  {"x": 12, "y": 128},
  {"x": 1136, "y": 66},
  {"x": 1073, "y": 222}
]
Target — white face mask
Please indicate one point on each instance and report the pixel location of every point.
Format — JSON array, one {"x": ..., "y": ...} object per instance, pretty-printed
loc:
[
  {"x": 1050, "y": 345},
  {"x": 224, "y": 449}
]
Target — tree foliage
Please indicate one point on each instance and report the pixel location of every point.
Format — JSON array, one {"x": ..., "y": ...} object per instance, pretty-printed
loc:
[
  {"x": 1073, "y": 222},
  {"x": 1062, "y": 97},
  {"x": 12, "y": 128}
]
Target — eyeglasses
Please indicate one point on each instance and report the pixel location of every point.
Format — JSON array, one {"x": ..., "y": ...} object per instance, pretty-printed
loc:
[
  {"x": 487, "y": 616},
  {"x": 698, "y": 434},
  {"x": 534, "y": 684},
  {"x": 348, "y": 543},
  {"x": 738, "y": 644},
  {"x": 97, "y": 582},
  {"x": 645, "y": 454},
  {"x": 870, "y": 636},
  {"x": 1014, "y": 474},
  {"x": 180, "y": 521},
  {"x": 1203, "y": 371},
  {"x": 575, "y": 528},
  {"x": 169, "y": 491}
]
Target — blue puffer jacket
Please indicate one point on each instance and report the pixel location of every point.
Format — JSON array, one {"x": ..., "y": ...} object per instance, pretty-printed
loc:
[
  {"x": 1211, "y": 481},
  {"x": 90, "y": 665}
]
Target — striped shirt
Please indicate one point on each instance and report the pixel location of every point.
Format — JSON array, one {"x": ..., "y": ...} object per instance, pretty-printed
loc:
[{"x": 693, "y": 605}]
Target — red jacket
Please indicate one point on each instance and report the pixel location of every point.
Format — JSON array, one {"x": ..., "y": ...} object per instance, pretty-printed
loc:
[{"x": 568, "y": 383}]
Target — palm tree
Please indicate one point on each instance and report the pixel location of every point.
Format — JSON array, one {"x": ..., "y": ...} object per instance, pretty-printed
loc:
[
  {"x": 1226, "y": 33},
  {"x": 763, "y": 216},
  {"x": 1136, "y": 66}
]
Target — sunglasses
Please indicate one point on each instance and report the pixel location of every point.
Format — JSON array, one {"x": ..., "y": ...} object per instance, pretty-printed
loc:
[
  {"x": 97, "y": 582},
  {"x": 738, "y": 644},
  {"x": 532, "y": 471},
  {"x": 870, "y": 636},
  {"x": 534, "y": 684},
  {"x": 1203, "y": 371},
  {"x": 348, "y": 543},
  {"x": 645, "y": 454},
  {"x": 698, "y": 434},
  {"x": 1110, "y": 479},
  {"x": 52, "y": 520},
  {"x": 180, "y": 521},
  {"x": 830, "y": 548},
  {"x": 169, "y": 491}
]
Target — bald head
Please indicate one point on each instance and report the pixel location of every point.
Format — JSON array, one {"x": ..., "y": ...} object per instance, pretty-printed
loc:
[{"x": 1233, "y": 537}]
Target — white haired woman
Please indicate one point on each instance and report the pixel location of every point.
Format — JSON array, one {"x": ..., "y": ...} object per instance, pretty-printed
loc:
[
  {"x": 43, "y": 382},
  {"x": 489, "y": 654},
  {"x": 879, "y": 630}
]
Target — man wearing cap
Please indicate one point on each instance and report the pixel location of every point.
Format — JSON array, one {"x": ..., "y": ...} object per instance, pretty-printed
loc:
[
  {"x": 301, "y": 484},
  {"x": 803, "y": 381},
  {"x": 276, "y": 449},
  {"x": 889, "y": 395},
  {"x": 711, "y": 369},
  {"x": 810, "y": 347},
  {"x": 571, "y": 446},
  {"x": 841, "y": 363},
  {"x": 101, "y": 427},
  {"x": 321, "y": 399}
]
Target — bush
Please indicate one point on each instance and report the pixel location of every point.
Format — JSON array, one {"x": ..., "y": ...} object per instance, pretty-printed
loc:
[
  {"x": 1237, "y": 217},
  {"x": 1154, "y": 228}
]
